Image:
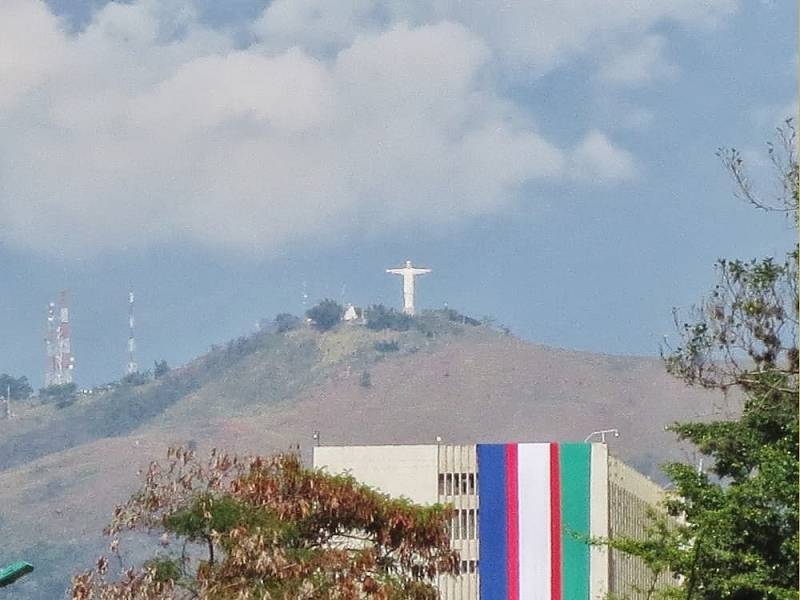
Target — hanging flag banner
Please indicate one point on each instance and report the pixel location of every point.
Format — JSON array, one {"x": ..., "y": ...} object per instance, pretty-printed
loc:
[{"x": 535, "y": 516}]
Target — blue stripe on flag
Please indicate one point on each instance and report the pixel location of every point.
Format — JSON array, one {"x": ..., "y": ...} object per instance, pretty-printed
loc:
[{"x": 493, "y": 556}]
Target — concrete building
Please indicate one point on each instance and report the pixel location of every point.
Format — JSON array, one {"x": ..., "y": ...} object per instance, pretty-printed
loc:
[{"x": 522, "y": 513}]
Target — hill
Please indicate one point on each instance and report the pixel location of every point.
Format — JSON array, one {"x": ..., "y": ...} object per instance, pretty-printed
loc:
[{"x": 64, "y": 468}]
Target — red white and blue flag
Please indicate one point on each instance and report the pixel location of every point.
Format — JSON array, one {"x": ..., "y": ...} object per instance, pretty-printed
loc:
[{"x": 535, "y": 518}]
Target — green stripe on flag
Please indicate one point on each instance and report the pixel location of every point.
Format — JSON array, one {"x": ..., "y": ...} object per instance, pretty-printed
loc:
[{"x": 575, "y": 499}]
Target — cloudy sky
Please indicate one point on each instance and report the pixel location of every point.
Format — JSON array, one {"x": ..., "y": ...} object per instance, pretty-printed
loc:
[{"x": 552, "y": 162}]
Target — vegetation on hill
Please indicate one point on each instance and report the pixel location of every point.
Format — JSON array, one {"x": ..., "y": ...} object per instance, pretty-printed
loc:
[
  {"x": 60, "y": 394},
  {"x": 325, "y": 315},
  {"x": 738, "y": 538},
  {"x": 15, "y": 388},
  {"x": 270, "y": 528}
]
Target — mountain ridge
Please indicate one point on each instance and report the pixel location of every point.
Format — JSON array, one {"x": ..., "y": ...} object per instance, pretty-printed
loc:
[{"x": 271, "y": 391}]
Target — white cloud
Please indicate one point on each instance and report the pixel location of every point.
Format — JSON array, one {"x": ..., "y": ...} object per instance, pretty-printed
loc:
[
  {"x": 528, "y": 37},
  {"x": 31, "y": 46},
  {"x": 643, "y": 63},
  {"x": 149, "y": 127},
  {"x": 596, "y": 159}
]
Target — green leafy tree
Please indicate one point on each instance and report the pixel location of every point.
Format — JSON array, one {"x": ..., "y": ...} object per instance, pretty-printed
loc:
[
  {"x": 286, "y": 322},
  {"x": 160, "y": 368},
  {"x": 136, "y": 379},
  {"x": 737, "y": 537},
  {"x": 379, "y": 318},
  {"x": 18, "y": 387},
  {"x": 270, "y": 528},
  {"x": 325, "y": 315},
  {"x": 61, "y": 394}
]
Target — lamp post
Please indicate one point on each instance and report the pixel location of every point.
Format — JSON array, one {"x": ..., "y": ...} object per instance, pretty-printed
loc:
[{"x": 602, "y": 433}]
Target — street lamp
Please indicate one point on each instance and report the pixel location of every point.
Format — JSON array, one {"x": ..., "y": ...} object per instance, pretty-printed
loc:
[{"x": 602, "y": 433}]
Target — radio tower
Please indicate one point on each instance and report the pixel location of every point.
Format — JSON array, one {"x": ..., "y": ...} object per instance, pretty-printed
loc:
[
  {"x": 132, "y": 366},
  {"x": 60, "y": 361}
]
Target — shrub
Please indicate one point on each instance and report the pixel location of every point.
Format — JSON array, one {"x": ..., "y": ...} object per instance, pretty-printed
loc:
[
  {"x": 286, "y": 322},
  {"x": 365, "y": 380},
  {"x": 379, "y": 318},
  {"x": 325, "y": 315},
  {"x": 61, "y": 394},
  {"x": 387, "y": 346},
  {"x": 160, "y": 368}
]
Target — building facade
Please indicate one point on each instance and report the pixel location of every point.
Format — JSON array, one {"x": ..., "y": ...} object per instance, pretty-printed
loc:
[{"x": 523, "y": 513}]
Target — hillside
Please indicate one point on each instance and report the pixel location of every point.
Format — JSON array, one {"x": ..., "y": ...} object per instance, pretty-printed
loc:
[{"x": 63, "y": 469}]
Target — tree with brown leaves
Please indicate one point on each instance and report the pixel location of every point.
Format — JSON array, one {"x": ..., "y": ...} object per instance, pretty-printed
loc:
[{"x": 269, "y": 528}]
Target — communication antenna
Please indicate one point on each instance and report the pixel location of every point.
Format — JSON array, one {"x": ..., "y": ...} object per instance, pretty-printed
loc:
[
  {"x": 67, "y": 362},
  {"x": 51, "y": 345},
  {"x": 60, "y": 361},
  {"x": 305, "y": 298},
  {"x": 132, "y": 366}
]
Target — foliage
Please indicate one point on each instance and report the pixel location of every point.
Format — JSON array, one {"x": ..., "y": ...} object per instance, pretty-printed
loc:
[
  {"x": 387, "y": 346},
  {"x": 380, "y": 318},
  {"x": 738, "y": 533},
  {"x": 325, "y": 315},
  {"x": 17, "y": 387},
  {"x": 59, "y": 394},
  {"x": 160, "y": 368},
  {"x": 273, "y": 529},
  {"x": 457, "y": 317},
  {"x": 135, "y": 379},
  {"x": 365, "y": 380},
  {"x": 286, "y": 322}
]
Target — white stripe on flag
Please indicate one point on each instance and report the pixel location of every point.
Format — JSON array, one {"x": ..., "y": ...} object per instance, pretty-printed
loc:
[
  {"x": 534, "y": 521},
  {"x": 598, "y": 519}
]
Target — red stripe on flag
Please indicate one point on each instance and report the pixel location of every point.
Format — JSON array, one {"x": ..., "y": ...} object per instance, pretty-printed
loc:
[
  {"x": 555, "y": 524},
  {"x": 512, "y": 512}
]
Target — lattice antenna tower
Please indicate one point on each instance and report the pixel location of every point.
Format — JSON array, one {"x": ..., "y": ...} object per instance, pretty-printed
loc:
[
  {"x": 51, "y": 345},
  {"x": 133, "y": 367},
  {"x": 60, "y": 360}
]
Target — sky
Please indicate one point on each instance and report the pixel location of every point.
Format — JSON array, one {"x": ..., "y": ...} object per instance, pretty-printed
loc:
[{"x": 553, "y": 163}]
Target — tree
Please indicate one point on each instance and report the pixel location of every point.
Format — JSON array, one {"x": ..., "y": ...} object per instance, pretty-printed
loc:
[
  {"x": 286, "y": 322},
  {"x": 135, "y": 379},
  {"x": 325, "y": 315},
  {"x": 61, "y": 394},
  {"x": 160, "y": 368},
  {"x": 379, "y": 318},
  {"x": 738, "y": 538},
  {"x": 270, "y": 528},
  {"x": 18, "y": 387}
]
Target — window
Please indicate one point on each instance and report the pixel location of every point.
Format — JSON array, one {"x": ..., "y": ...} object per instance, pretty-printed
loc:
[
  {"x": 471, "y": 524},
  {"x": 469, "y": 566}
]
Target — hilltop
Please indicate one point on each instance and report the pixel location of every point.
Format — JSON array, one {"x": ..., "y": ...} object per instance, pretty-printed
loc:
[{"x": 64, "y": 468}]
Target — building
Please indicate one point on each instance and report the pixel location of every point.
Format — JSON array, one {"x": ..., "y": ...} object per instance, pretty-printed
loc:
[{"x": 523, "y": 513}]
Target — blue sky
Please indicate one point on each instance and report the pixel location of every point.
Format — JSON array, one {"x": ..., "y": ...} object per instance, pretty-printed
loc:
[{"x": 553, "y": 163}]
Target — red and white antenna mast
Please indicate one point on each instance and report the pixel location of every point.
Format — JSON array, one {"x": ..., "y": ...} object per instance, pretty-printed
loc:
[{"x": 132, "y": 366}]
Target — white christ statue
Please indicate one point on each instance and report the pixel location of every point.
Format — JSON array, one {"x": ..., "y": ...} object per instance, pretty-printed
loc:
[{"x": 409, "y": 273}]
